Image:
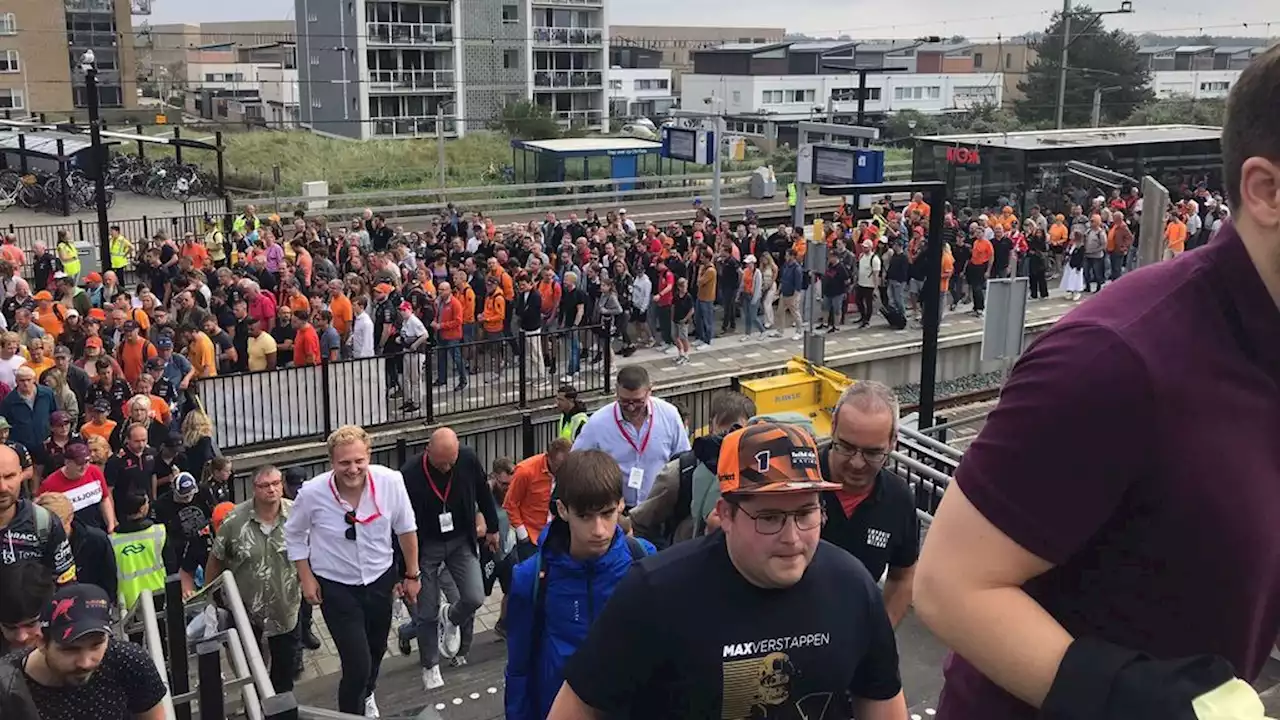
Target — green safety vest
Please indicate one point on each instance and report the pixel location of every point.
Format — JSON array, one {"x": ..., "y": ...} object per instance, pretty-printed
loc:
[
  {"x": 241, "y": 224},
  {"x": 119, "y": 252},
  {"x": 70, "y": 258},
  {"x": 569, "y": 430},
  {"x": 791, "y": 194},
  {"x": 139, "y": 562}
]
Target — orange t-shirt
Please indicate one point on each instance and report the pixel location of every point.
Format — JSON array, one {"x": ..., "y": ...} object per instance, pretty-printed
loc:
[
  {"x": 198, "y": 254},
  {"x": 343, "y": 314},
  {"x": 1057, "y": 234},
  {"x": 1176, "y": 235},
  {"x": 467, "y": 297},
  {"x": 299, "y": 302},
  {"x": 133, "y": 356},
  {"x": 306, "y": 346},
  {"x": 202, "y": 356},
  {"x": 103, "y": 431},
  {"x": 983, "y": 252},
  {"x": 51, "y": 321},
  {"x": 948, "y": 269}
]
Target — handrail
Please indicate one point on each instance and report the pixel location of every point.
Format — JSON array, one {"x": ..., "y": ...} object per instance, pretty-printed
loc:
[
  {"x": 240, "y": 666},
  {"x": 154, "y": 645},
  {"x": 930, "y": 442}
]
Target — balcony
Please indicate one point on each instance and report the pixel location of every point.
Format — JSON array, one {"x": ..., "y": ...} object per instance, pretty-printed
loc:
[
  {"x": 89, "y": 6},
  {"x": 568, "y": 37},
  {"x": 569, "y": 79},
  {"x": 571, "y": 3},
  {"x": 411, "y": 81},
  {"x": 402, "y": 33},
  {"x": 412, "y": 126},
  {"x": 579, "y": 118}
]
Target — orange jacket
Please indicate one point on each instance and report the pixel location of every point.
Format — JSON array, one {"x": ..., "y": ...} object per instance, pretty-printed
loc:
[
  {"x": 450, "y": 319},
  {"x": 549, "y": 291},
  {"x": 528, "y": 500},
  {"x": 467, "y": 299},
  {"x": 495, "y": 313},
  {"x": 504, "y": 282}
]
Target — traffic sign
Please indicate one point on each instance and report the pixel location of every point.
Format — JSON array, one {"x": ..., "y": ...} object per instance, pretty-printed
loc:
[{"x": 1005, "y": 325}]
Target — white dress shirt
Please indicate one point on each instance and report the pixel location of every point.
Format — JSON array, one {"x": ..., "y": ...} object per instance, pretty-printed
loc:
[
  {"x": 362, "y": 337},
  {"x": 316, "y": 529},
  {"x": 667, "y": 438}
]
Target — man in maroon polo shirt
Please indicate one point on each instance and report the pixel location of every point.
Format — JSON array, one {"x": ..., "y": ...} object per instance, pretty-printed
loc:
[{"x": 1125, "y": 494}]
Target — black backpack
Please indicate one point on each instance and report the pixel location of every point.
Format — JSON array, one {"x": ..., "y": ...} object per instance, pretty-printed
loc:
[
  {"x": 896, "y": 319},
  {"x": 684, "y": 501}
]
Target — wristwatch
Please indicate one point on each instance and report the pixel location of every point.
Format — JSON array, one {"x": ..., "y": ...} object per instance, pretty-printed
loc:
[{"x": 418, "y": 576}]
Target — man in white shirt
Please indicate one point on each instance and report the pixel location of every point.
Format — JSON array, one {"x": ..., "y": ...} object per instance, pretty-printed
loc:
[
  {"x": 641, "y": 432},
  {"x": 339, "y": 537},
  {"x": 362, "y": 330}
]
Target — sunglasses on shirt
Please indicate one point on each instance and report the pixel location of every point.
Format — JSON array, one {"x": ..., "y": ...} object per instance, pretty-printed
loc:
[{"x": 351, "y": 525}]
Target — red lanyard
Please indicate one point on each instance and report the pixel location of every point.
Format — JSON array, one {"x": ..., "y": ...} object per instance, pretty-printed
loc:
[
  {"x": 373, "y": 495},
  {"x": 426, "y": 470},
  {"x": 617, "y": 418}
]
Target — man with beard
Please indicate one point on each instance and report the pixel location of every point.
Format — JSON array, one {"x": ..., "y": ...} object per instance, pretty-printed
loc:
[{"x": 80, "y": 671}]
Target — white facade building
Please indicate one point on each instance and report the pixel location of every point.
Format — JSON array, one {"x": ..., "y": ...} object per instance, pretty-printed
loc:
[
  {"x": 640, "y": 92},
  {"x": 1194, "y": 84},
  {"x": 797, "y": 97}
]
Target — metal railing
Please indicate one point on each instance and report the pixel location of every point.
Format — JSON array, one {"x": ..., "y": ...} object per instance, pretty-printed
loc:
[
  {"x": 558, "y": 36},
  {"x": 579, "y": 117},
  {"x": 412, "y": 126},
  {"x": 400, "y": 80},
  {"x": 308, "y": 403},
  {"x": 142, "y": 617},
  {"x": 405, "y": 33},
  {"x": 568, "y": 79}
]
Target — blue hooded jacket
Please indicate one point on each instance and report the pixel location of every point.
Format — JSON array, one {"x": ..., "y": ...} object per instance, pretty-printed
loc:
[{"x": 574, "y": 595}]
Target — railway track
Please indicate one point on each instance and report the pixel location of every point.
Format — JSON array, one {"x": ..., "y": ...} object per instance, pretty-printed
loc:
[{"x": 950, "y": 402}]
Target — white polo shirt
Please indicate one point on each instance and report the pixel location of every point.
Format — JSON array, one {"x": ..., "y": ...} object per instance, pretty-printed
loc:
[
  {"x": 317, "y": 527},
  {"x": 648, "y": 447}
]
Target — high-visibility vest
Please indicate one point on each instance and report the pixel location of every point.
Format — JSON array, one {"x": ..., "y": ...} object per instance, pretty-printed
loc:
[
  {"x": 569, "y": 430},
  {"x": 119, "y": 252},
  {"x": 139, "y": 562},
  {"x": 241, "y": 224},
  {"x": 791, "y": 194},
  {"x": 70, "y": 258}
]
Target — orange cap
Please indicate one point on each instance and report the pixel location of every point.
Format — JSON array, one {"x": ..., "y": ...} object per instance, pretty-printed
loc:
[
  {"x": 43, "y": 295},
  {"x": 98, "y": 314},
  {"x": 220, "y": 513},
  {"x": 93, "y": 277}
]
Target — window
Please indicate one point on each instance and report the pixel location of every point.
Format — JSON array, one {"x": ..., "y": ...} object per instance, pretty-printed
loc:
[
  {"x": 1214, "y": 86},
  {"x": 312, "y": 17},
  {"x": 8, "y": 24},
  {"x": 11, "y": 99},
  {"x": 977, "y": 60},
  {"x": 851, "y": 94},
  {"x": 510, "y": 59},
  {"x": 510, "y": 14},
  {"x": 9, "y": 61},
  {"x": 1008, "y": 60},
  {"x": 771, "y": 97},
  {"x": 800, "y": 96},
  {"x": 935, "y": 92},
  {"x": 315, "y": 59},
  {"x": 737, "y": 97},
  {"x": 615, "y": 84},
  {"x": 315, "y": 103},
  {"x": 210, "y": 77}
]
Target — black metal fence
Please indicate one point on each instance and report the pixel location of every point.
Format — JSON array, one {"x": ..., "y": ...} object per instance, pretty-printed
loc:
[
  {"x": 307, "y": 403},
  {"x": 84, "y": 231}
]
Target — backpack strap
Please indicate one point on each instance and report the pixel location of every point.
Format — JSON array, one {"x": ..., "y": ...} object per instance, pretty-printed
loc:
[
  {"x": 636, "y": 548},
  {"x": 44, "y": 521}
]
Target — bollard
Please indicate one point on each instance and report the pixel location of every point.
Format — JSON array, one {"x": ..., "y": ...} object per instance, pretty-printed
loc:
[{"x": 209, "y": 664}]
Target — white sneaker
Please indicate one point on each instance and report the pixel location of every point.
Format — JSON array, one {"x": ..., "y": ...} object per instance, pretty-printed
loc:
[
  {"x": 797, "y": 336},
  {"x": 431, "y": 679},
  {"x": 775, "y": 334},
  {"x": 450, "y": 635},
  {"x": 371, "y": 707}
]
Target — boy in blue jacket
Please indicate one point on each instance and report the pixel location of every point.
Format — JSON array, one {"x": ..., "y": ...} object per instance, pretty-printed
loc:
[{"x": 555, "y": 595}]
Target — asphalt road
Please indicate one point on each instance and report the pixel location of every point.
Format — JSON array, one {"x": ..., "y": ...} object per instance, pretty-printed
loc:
[{"x": 475, "y": 691}]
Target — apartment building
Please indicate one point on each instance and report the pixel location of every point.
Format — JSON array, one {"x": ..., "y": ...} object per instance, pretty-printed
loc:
[
  {"x": 1196, "y": 71},
  {"x": 638, "y": 84},
  {"x": 677, "y": 44},
  {"x": 166, "y": 45},
  {"x": 41, "y": 42},
  {"x": 766, "y": 89},
  {"x": 1010, "y": 58},
  {"x": 252, "y": 84},
  {"x": 393, "y": 68}
]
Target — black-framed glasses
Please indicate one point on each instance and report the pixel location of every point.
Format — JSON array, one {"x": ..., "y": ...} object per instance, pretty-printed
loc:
[
  {"x": 350, "y": 517},
  {"x": 872, "y": 456},
  {"x": 771, "y": 522}
]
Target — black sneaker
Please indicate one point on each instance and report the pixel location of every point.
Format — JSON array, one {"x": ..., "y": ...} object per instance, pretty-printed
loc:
[
  {"x": 310, "y": 641},
  {"x": 406, "y": 646}
]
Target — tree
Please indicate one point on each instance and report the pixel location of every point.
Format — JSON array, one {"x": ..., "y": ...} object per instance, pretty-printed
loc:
[
  {"x": 1098, "y": 58},
  {"x": 1174, "y": 110},
  {"x": 528, "y": 121}
]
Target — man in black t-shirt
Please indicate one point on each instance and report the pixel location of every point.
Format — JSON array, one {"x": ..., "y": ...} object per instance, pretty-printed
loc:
[
  {"x": 785, "y": 627},
  {"x": 81, "y": 671}
]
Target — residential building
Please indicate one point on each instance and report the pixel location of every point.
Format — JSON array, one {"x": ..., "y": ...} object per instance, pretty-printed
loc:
[
  {"x": 393, "y": 68},
  {"x": 765, "y": 90},
  {"x": 1010, "y": 58},
  {"x": 1196, "y": 71},
  {"x": 678, "y": 43},
  {"x": 41, "y": 43},
  {"x": 167, "y": 45},
  {"x": 638, "y": 85},
  {"x": 255, "y": 84}
]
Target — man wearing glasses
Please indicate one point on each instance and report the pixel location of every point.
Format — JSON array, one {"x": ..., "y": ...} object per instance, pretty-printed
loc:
[
  {"x": 873, "y": 514},
  {"x": 639, "y": 431},
  {"x": 339, "y": 538},
  {"x": 785, "y": 626}
]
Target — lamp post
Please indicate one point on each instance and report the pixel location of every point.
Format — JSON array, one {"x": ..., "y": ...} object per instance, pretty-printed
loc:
[
  {"x": 89, "y": 65},
  {"x": 441, "y": 160}
]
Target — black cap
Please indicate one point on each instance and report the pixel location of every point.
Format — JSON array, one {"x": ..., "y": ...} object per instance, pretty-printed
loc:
[
  {"x": 76, "y": 611},
  {"x": 173, "y": 440}
]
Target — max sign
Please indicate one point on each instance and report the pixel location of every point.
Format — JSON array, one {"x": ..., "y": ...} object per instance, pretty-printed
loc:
[{"x": 963, "y": 156}]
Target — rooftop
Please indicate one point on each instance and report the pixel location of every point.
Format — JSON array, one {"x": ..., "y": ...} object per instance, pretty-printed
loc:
[
  {"x": 590, "y": 146},
  {"x": 1085, "y": 137},
  {"x": 45, "y": 144}
]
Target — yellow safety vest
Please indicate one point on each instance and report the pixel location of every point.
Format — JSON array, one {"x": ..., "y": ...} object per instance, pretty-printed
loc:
[
  {"x": 241, "y": 224},
  {"x": 569, "y": 430},
  {"x": 70, "y": 258},
  {"x": 139, "y": 563},
  {"x": 119, "y": 252},
  {"x": 791, "y": 194}
]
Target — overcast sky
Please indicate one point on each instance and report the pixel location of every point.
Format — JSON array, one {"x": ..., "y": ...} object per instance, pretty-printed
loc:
[{"x": 859, "y": 18}]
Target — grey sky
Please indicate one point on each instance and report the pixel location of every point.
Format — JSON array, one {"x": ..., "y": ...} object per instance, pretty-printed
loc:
[{"x": 859, "y": 18}]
